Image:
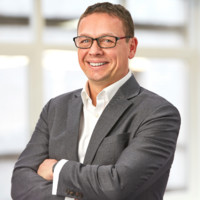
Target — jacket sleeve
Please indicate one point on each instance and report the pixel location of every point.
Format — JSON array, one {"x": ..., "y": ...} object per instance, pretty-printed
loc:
[
  {"x": 26, "y": 183},
  {"x": 146, "y": 159}
]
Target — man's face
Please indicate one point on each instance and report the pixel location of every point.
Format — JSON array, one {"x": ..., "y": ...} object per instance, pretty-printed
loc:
[{"x": 104, "y": 66}]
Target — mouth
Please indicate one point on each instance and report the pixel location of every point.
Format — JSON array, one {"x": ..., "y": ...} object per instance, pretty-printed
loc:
[{"x": 97, "y": 64}]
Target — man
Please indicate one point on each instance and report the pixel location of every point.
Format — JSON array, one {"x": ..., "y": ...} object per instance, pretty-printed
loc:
[{"x": 113, "y": 139}]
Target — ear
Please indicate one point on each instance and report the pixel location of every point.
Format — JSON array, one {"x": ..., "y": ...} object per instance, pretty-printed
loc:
[{"x": 133, "y": 42}]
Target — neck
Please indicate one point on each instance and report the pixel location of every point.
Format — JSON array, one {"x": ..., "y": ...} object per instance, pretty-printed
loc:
[
  {"x": 93, "y": 92},
  {"x": 96, "y": 87}
]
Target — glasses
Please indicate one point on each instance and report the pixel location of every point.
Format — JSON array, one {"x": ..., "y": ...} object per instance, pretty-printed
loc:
[{"x": 85, "y": 42}]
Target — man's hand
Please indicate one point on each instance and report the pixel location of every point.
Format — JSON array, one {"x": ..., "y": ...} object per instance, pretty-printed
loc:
[{"x": 45, "y": 169}]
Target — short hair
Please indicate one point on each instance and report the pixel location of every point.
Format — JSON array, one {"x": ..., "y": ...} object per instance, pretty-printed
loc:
[{"x": 116, "y": 10}]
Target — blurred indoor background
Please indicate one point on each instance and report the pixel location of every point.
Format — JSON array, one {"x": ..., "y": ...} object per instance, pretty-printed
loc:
[{"x": 38, "y": 61}]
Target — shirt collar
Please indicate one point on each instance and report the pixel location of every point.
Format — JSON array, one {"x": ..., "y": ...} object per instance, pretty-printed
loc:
[{"x": 107, "y": 93}]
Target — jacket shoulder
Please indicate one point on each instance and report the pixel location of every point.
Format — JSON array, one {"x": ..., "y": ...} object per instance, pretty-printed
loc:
[
  {"x": 63, "y": 101},
  {"x": 66, "y": 96},
  {"x": 150, "y": 102}
]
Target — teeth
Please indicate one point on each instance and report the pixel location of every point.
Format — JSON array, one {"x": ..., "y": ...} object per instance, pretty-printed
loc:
[{"x": 96, "y": 64}]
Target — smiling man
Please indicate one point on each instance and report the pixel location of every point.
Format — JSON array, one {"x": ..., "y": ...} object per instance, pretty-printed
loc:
[
  {"x": 111, "y": 140},
  {"x": 104, "y": 60}
]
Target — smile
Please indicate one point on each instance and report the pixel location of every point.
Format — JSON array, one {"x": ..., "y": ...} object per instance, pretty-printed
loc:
[{"x": 97, "y": 64}]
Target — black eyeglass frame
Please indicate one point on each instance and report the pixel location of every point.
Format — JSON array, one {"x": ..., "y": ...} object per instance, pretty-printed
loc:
[{"x": 97, "y": 39}]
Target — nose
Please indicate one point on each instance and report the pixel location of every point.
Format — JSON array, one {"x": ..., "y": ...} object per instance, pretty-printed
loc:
[{"x": 95, "y": 49}]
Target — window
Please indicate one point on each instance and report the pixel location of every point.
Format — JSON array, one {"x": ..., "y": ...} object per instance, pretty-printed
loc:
[
  {"x": 61, "y": 73},
  {"x": 13, "y": 104},
  {"x": 38, "y": 61},
  {"x": 167, "y": 30},
  {"x": 15, "y": 21},
  {"x": 13, "y": 116}
]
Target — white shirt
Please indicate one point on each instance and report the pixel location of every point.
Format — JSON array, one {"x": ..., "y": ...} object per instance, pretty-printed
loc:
[{"x": 89, "y": 119}]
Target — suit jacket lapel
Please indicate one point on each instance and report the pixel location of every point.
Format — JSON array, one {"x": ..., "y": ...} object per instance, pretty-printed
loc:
[{"x": 110, "y": 116}]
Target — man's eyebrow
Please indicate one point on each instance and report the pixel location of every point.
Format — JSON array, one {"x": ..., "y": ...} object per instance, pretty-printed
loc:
[{"x": 103, "y": 34}]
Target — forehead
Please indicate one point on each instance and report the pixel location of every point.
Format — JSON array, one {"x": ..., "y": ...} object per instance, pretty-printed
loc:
[{"x": 100, "y": 24}]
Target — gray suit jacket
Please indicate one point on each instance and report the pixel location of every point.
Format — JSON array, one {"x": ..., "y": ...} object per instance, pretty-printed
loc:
[{"x": 128, "y": 158}]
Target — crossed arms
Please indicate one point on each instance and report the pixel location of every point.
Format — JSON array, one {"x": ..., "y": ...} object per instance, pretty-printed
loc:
[{"x": 145, "y": 158}]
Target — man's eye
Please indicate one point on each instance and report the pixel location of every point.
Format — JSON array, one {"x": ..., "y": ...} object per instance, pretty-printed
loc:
[
  {"x": 107, "y": 41},
  {"x": 85, "y": 41}
]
